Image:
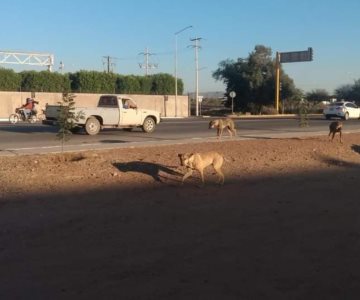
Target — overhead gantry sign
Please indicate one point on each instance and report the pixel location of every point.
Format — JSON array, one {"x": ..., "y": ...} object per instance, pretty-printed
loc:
[{"x": 27, "y": 58}]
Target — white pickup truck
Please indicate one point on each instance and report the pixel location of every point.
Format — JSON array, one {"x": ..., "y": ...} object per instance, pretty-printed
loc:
[{"x": 112, "y": 111}]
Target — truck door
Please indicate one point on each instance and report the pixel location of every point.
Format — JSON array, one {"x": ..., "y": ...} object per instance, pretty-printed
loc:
[
  {"x": 130, "y": 115},
  {"x": 110, "y": 110}
]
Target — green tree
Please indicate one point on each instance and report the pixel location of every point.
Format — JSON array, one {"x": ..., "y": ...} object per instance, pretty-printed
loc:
[
  {"x": 163, "y": 84},
  {"x": 180, "y": 86},
  {"x": 52, "y": 82},
  {"x": 29, "y": 81},
  {"x": 89, "y": 82},
  {"x": 356, "y": 91},
  {"x": 67, "y": 118},
  {"x": 349, "y": 92},
  {"x": 9, "y": 80},
  {"x": 303, "y": 113},
  {"x": 44, "y": 81},
  {"x": 317, "y": 95},
  {"x": 93, "y": 82},
  {"x": 128, "y": 84},
  {"x": 145, "y": 84},
  {"x": 253, "y": 79}
]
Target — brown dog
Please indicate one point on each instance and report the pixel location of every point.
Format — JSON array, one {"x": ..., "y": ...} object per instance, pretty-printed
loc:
[
  {"x": 199, "y": 161},
  {"x": 221, "y": 124},
  {"x": 334, "y": 128}
]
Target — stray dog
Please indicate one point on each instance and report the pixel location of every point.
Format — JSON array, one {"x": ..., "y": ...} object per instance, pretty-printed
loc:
[
  {"x": 334, "y": 128},
  {"x": 220, "y": 124},
  {"x": 199, "y": 161}
]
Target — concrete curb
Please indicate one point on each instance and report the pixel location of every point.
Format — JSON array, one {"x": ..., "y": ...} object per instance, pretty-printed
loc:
[
  {"x": 287, "y": 116},
  {"x": 249, "y": 117}
]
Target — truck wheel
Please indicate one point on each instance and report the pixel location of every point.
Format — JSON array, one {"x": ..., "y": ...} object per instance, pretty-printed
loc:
[
  {"x": 148, "y": 125},
  {"x": 92, "y": 126}
]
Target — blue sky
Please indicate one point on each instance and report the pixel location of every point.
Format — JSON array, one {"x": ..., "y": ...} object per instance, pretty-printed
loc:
[{"x": 79, "y": 33}]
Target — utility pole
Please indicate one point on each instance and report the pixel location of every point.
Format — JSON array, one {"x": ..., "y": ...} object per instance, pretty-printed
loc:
[
  {"x": 61, "y": 67},
  {"x": 176, "y": 55},
  {"x": 146, "y": 65},
  {"x": 277, "y": 81},
  {"x": 196, "y": 47},
  {"x": 109, "y": 63}
]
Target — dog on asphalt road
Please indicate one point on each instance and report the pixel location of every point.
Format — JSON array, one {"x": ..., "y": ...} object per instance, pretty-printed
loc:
[
  {"x": 221, "y": 124},
  {"x": 334, "y": 128},
  {"x": 199, "y": 161}
]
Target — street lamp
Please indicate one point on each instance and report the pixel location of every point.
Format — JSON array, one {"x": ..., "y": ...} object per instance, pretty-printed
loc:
[{"x": 176, "y": 91}]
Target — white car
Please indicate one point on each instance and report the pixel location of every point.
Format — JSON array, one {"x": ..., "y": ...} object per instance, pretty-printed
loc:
[{"x": 344, "y": 110}]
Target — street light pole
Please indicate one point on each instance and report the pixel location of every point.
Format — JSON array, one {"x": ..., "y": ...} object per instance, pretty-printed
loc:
[
  {"x": 176, "y": 91},
  {"x": 196, "y": 47},
  {"x": 197, "y": 77}
]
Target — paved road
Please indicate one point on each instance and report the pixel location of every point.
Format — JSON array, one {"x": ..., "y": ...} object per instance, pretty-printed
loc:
[{"x": 36, "y": 138}]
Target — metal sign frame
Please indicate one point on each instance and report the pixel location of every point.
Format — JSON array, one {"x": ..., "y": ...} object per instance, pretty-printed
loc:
[
  {"x": 296, "y": 56},
  {"x": 27, "y": 58},
  {"x": 288, "y": 57}
]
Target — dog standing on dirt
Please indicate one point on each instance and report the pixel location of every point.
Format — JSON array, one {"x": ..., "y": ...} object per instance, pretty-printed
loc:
[
  {"x": 199, "y": 161},
  {"x": 221, "y": 124},
  {"x": 334, "y": 128}
]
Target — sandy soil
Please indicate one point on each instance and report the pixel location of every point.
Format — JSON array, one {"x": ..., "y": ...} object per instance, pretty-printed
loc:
[{"x": 119, "y": 225}]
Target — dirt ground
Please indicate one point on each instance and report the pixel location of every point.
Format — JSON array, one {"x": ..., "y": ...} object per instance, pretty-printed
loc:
[{"x": 118, "y": 224}]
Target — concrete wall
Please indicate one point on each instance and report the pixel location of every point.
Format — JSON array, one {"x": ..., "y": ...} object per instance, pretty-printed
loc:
[{"x": 164, "y": 104}]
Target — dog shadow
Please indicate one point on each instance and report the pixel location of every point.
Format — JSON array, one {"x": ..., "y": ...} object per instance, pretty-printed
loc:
[
  {"x": 356, "y": 148},
  {"x": 338, "y": 162},
  {"x": 152, "y": 169}
]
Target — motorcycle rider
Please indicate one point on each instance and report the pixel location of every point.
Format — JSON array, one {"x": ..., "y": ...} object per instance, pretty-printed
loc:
[{"x": 29, "y": 107}]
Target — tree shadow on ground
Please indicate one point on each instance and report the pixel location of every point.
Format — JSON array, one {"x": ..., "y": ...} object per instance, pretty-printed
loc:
[
  {"x": 148, "y": 168},
  {"x": 356, "y": 148}
]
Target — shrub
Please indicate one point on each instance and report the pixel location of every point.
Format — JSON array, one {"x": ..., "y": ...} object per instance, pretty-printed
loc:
[{"x": 268, "y": 110}]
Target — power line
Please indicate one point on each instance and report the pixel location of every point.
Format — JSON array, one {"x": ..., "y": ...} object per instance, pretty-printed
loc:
[
  {"x": 147, "y": 65},
  {"x": 110, "y": 65}
]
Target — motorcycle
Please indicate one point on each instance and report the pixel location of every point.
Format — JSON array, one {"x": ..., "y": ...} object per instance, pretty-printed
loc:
[{"x": 20, "y": 115}]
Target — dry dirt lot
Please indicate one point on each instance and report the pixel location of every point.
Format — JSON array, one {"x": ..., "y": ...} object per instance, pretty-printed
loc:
[{"x": 119, "y": 225}]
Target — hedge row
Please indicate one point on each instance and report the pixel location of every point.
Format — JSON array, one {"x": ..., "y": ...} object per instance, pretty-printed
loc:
[{"x": 88, "y": 82}]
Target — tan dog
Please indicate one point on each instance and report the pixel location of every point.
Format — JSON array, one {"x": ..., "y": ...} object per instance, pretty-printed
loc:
[
  {"x": 221, "y": 124},
  {"x": 199, "y": 161},
  {"x": 334, "y": 128}
]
